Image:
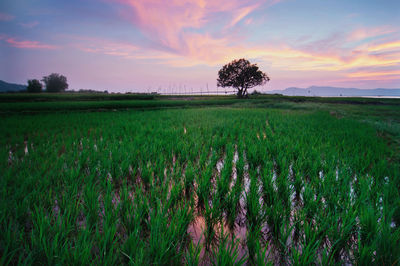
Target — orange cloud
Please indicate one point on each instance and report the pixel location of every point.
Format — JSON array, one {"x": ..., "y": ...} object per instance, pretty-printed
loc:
[
  {"x": 393, "y": 73},
  {"x": 385, "y": 46},
  {"x": 204, "y": 49},
  {"x": 173, "y": 25},
  {"x": 183, "y": 33}
]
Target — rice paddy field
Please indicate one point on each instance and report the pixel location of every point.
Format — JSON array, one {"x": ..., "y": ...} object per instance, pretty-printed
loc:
[{"x": 248, "y": 184}]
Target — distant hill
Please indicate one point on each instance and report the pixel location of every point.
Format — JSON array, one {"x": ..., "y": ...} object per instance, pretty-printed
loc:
[
  {"x": 336, "y": 91},
  {"x": 11, "y": 87}
]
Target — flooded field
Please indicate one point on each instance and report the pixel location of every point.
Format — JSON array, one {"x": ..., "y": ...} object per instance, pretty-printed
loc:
[{"x": 198, "y": 187}]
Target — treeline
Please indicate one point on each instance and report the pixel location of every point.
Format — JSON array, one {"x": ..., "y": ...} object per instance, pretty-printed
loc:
[
  {"x": 71, "y": 97},
  {"x": 53, "y": 83}
]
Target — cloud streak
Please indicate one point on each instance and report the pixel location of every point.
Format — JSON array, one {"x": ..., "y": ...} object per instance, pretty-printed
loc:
[
  {"x": 202, "y": 35},
  {"x": 29, "y": 25},
  {"x": 26, "y": 44},
  {"x": 182, "y": 29},
  {"x": 373, "y": 58},
  {"x": 174, "y": 25},
  {"x": 6, "y": 17}
]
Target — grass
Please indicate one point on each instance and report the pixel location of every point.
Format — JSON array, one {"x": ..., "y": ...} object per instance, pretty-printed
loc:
[{"x": 270, "y": 180}]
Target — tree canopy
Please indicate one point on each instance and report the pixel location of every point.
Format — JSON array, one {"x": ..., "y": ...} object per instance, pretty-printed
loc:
[
  {"x": 55, "y": 82},
  {"x": 241, "y": 75},
  {"x": 34, "y": 86}
]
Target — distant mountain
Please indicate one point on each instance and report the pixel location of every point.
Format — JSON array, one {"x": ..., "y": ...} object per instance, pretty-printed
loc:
[
  {"x": 336, "y": 91},
  {"x": 11, "y": 87}
]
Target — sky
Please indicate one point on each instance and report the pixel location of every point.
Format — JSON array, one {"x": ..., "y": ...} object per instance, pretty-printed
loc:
[{"x": 179, "y": 45}]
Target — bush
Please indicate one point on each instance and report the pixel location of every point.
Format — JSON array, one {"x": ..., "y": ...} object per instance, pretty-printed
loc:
[
  {"x": 34, "y": 86},
  {"x": 55, "y": 83}
]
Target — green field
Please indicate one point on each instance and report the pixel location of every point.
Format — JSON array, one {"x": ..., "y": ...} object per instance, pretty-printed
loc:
[{"x": 199, "y": 180}]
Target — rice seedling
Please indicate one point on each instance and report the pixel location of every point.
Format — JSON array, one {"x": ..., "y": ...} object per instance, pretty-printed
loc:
[
  {"x": 227, "y": 252},
  {"x": 256, "y": 185}
]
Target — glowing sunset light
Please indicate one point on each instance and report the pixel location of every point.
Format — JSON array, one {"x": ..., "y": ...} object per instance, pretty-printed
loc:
[
  {"x": 142, "y": 45},
  {"x": 390, "y": 45},
  {"x": 374, "y": 74}
]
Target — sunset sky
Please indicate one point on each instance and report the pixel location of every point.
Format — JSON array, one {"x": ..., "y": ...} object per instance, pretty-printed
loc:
[{"x": 145, "y": 45}]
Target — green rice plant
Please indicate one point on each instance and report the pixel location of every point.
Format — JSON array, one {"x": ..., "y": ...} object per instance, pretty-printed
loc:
[
  {"x": 204, "y": 187},
  {"x": 105, "y": 248},
  {"x": 146, "y": 176},
  {"x": 368, "y": 225},
  {"x": 189, "y": 178},
  {"x": 212, "y": 216},
  {"x": 240, "y": 162},
  {"x": 223, "y": 182},
  {"x": 255, "y": 214},
  {"x": 175, "y": 195},
  {"x": 283, "y": 192},
  {"x": 233, "y": 204},
  {"x": 387, "y": 244},
  {"x": 134, "y": 219},
  {"x": 120, "y": 187},
  {"x": 364, "y": 255},
  {"x": 306, "y": 254},
  {"x": 262, "y": 254},
  {"x": 192, "y": 256},
  {"x": 253, "y": 241},
  {"x": 284, "y": 240},
  {"x": 133, "y": 250},
  {"x": 339, "y": 235},
  {"x": 311, "y": 205},
  {"x": 167, "y": 236},
  {"x": 91, "y": 206},
  {"x": 47, "y": 242},
  {"x": 275, "y": 219},
  {"x": 268, "y": 191},
  {"x": 227, "y": 252},
  {"x": 297, "y": 185},
  {"x": 11, "y": 242},
  {"x": 80, "y": 249}
]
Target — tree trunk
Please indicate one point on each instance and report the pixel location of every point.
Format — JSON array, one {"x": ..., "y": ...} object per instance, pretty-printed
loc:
[
  {"x": 240, "y": 92},
  {"x": 245, "y": 94}
]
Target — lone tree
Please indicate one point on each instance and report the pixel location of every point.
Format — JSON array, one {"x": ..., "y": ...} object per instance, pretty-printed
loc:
[
  {"x": 241, "y": 75},
  {"x": 34, "y": 86},
  {"x": 55, "y": 82}
]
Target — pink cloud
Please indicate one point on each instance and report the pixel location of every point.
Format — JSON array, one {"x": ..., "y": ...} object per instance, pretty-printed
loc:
[
  {"x": 169, "y": 23},
  {"x": 115, "y": 48},
  {"x": 391, "y": 74},
  {"x": 184, "y": 34},
  {"x": 248, "y": 21},
  {"x": 342, "y": 52},
  {"x": 278, "y": 56},
  {"x": 242, "y": 13},
  {"x": 365, "y": 33},
  {"x": 28, "y": 44},
  {"x": 352, "y": 15},
  {"x": 97, "y": 45},
  {"x": 181, "y": 28},
  {"x": 385, "y": 46},
  {"x": 6, "y": 17}
]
